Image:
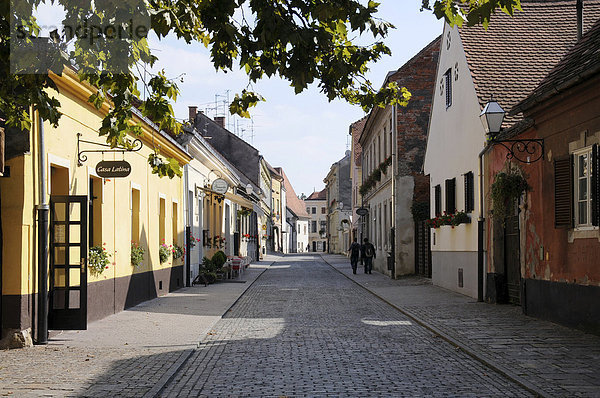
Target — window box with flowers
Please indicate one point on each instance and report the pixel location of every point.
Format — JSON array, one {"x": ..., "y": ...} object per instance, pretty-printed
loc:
[
  {"x": 453, "y": 219},
  {"x": 178, "y": 252},
  {"x": 98, "y": 259},
  {"x": 218, "y": 242},
  {"x": 137, "y": 254},
  {"x": 164, "y": 252}
]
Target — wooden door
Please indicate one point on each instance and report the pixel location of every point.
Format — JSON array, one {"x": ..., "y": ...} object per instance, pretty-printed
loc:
[{"x": 68, "y": 262}]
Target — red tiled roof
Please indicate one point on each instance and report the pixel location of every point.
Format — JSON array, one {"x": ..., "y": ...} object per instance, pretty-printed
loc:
[
  {"x": 581, "y": 62},
  {"x": 295, "y": 204},
  {"x": 512, "y": 57},
  {"x": 321, "y": 195}
]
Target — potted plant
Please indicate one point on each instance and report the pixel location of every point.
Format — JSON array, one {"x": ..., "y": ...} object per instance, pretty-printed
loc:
[
  {"x": 137, "y": 254},
  {"x": 507, "y": 188},
  {"x": 98, "y": 259},
  {"x": 178, "y": 252},
  {"x": 163, "y": 252}
]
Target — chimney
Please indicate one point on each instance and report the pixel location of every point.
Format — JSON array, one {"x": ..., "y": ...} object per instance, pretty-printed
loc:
[
  {"x": 192, "y": 112},
  {"x": 220, "y": 120},
  {"x": 579, "y": 19}
]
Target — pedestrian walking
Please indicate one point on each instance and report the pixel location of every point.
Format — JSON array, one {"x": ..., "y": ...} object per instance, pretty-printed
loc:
[
  {"x": 354, "y": 254},
  {"x": 368, "y": 256}
]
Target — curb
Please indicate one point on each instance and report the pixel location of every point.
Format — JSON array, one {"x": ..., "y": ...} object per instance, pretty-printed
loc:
[
  {"x": 479, "y": 356},
  {"x": 185, "y": 356}
]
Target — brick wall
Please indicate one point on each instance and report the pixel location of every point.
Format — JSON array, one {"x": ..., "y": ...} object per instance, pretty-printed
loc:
[{"x": 418, "y": 76}]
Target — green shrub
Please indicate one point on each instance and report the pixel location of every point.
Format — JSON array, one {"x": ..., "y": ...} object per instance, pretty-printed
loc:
[
  {"x": 219, "y": 258},
  {"x": 207, "y": 265}
]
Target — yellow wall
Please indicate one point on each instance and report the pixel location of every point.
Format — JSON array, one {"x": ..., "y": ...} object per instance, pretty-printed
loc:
[{"x": 20, "y": 192}]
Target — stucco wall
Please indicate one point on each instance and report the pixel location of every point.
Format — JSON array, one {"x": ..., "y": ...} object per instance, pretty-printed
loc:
[{"x": 456, "y": 137}]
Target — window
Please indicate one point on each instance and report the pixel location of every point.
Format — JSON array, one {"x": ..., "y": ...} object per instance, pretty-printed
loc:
[
  {"x": 135, "y": 215},
  {"x": 586, "y": 188},
  {"x": 469, "y": 193},
  {"x": 323, "y": 210},
  {"x": 308, "y": 210},
  {"x": 313, "y": 227},
  {"x": 378, "y": 150},
  {"x": 577, "y": 189},
  {"x": 174, "y": 224},
  {"x": 323, "y": 225},
  {"x": 451, "y": 196},
  {"x": 448, "y": 86},
  {"x": 384, "y": 143},
  {"x": 314, "y": 210},
  {"x": 437, "y": 200},
  {"x": 161, "y": 220},
  {"x": 385, "y": 226}
]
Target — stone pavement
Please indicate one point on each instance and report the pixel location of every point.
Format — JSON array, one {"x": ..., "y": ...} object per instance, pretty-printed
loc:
[
  {"x": 548, "y": 359},
  {"x": 304, "y": 330},
  {"x": 131, "y": 353}
]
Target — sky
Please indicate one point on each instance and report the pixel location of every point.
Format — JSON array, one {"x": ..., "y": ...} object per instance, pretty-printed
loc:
[{"x": 305, "y": 133}]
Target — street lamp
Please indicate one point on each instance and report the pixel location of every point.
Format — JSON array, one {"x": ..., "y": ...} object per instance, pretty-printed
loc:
[{"x": 492, "y": 117}]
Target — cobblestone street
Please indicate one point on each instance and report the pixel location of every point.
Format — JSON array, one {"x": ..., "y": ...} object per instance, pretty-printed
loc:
[
  {"x": 303, "y": 329},
  {"x": 305, "y": 326}
]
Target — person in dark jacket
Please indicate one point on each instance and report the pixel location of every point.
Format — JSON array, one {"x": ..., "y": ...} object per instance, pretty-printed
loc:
[
  {"x": 354, "y": 254},
  {"x": 368, "y": 255}
]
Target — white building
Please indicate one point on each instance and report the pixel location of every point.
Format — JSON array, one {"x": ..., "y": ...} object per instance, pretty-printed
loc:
[{"x": 316, "y": 207}]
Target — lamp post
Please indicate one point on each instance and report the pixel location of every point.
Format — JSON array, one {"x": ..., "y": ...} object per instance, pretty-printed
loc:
[{"x": 527, "y": 150}]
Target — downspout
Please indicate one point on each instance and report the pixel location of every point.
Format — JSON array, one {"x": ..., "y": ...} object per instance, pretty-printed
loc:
[
  {"x": 188, "y": 229},
  {"x": 579, "y": 19},
  {"x": 42, "y": 227},
  {"x": 480, "y": 229},
  {"x": 393, "y": 226}
]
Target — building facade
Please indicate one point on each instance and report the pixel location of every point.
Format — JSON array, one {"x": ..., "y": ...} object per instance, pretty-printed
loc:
[
  {"x": 467, "y": 77},
  {"x": 393, "y": 142},
  {"x": 339, "y": 206},
  {"x": 545, "y": 255},
  {"x": 316, "y": 207},
  {"x": 91, "y": 218}
]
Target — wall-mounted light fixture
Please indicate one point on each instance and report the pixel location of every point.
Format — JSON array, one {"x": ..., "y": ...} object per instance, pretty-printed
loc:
[{"x": 527, "y": 150}]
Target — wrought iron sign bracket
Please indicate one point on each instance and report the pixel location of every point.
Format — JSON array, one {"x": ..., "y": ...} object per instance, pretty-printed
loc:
[
  {"x": 81, "y": 158},
  {"x": 523, "y": 150}
]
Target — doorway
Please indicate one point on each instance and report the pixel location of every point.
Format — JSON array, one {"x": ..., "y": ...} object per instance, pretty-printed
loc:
[
  {"x": 422, "y": 249},
  {"x": 68, "y": 262},
  {"x": 512, "y": 264}
]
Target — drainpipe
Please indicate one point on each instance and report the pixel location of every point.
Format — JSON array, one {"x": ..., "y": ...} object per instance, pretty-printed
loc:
[
  {"x": 394, "y": 144},
  {"x": 579, "y": 19},
  {"x": 42, "y": 227},
  {"x": 480, "y": 229},
  {"x": 188, "y": 229}
]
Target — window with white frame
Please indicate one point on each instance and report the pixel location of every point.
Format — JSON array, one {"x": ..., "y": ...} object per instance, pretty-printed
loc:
[
  {"x": 582, "y": 189},
  {"x": 577, "y": 189}
]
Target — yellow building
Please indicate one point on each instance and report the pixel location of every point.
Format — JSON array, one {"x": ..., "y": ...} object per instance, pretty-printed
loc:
[
  {"x": 277, "y": 214},
  {"x": 85, "y": 211}
]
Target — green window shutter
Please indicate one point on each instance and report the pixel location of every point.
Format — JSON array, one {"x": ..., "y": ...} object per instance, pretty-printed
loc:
[
  {"x": 595, "y": 185},
  {"x": 438, "y": 200},
  {"x": 451, "y": 196},
  {"x": 563, "y": 193},
  {"x": 469, "y": 192}
]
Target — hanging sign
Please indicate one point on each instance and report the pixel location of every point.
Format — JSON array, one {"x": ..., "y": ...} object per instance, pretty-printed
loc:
[
  {"x": 113, "y": 168},
  {"x": 362, "y": 211},
  {"x": 220, "y": 186}
]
